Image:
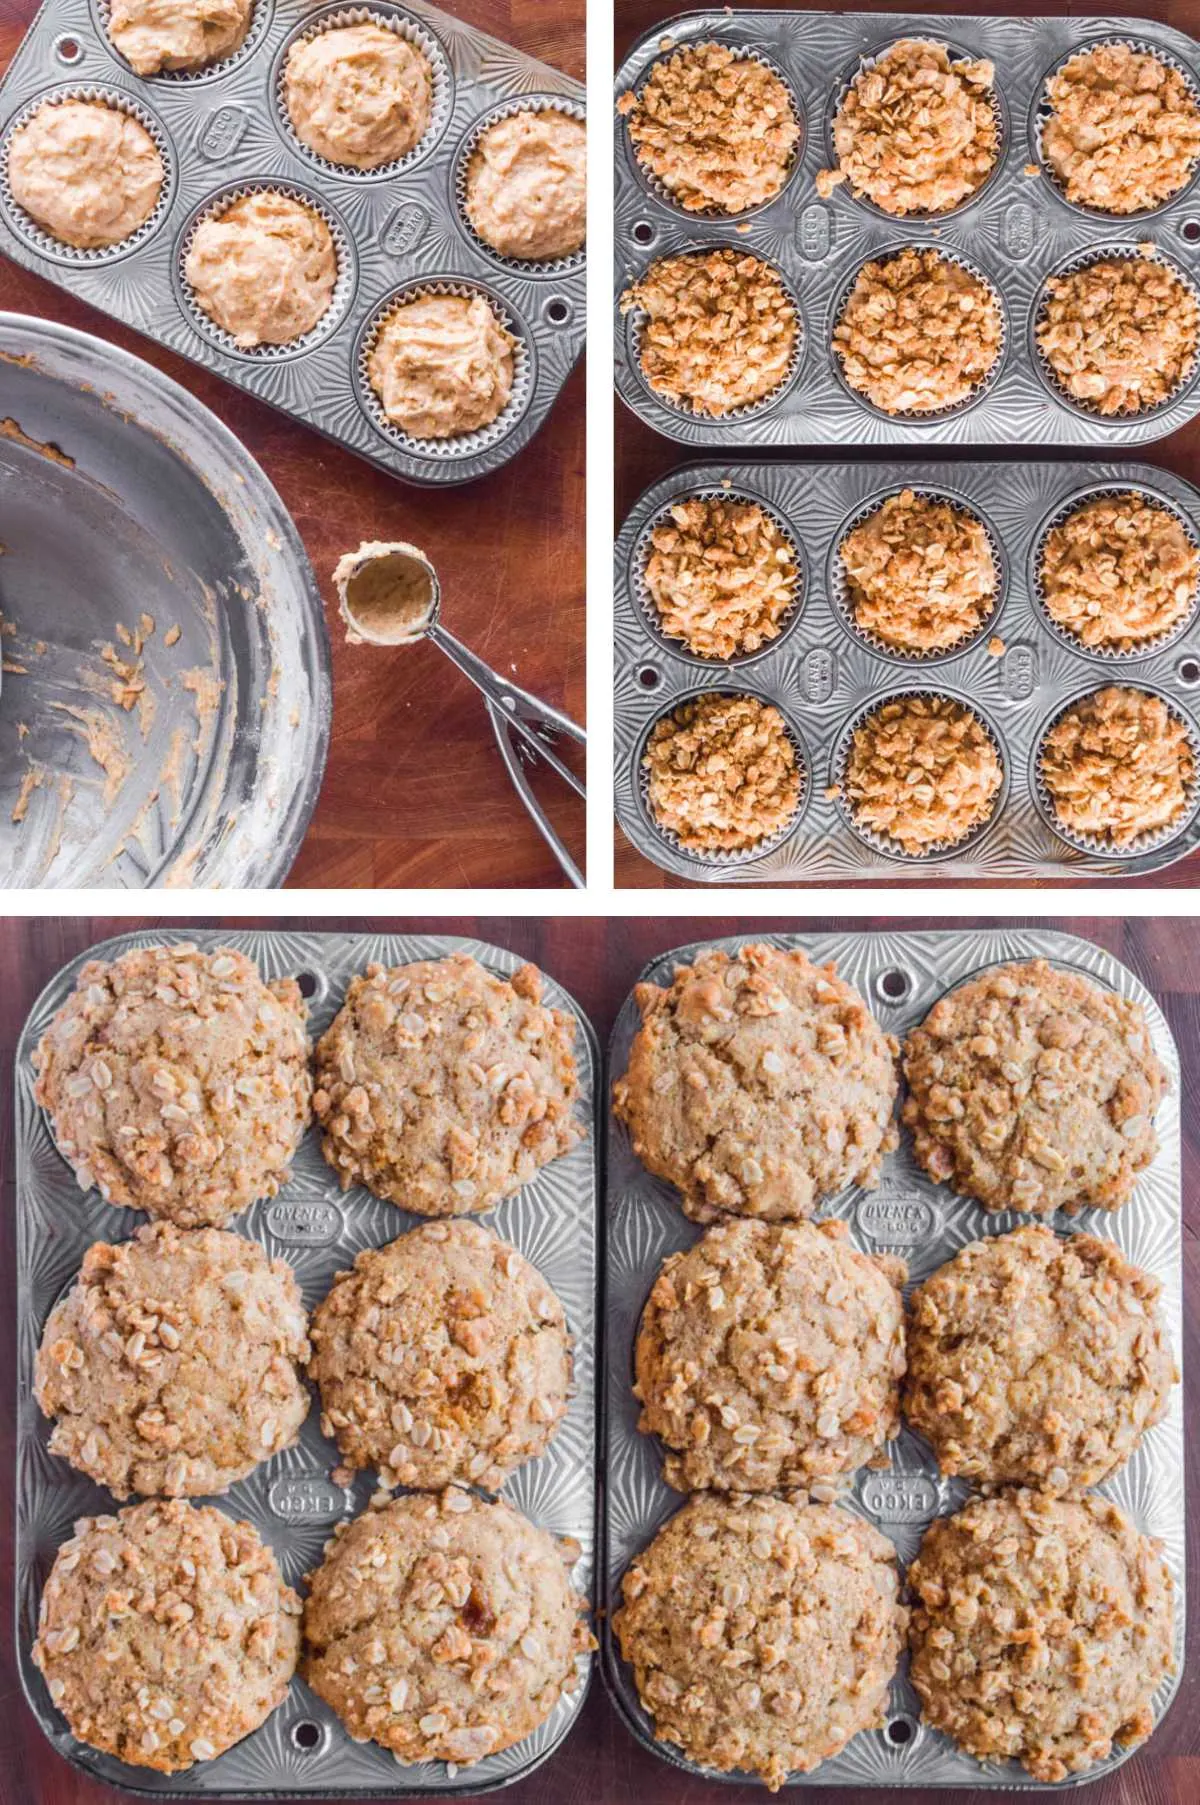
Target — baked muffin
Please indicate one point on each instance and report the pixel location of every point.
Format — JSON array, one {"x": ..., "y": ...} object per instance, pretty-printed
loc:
[
  {"x": 493, "y": 1070},
  {"x": 920, "y": 574},
  {"x": 1032, "y": 1089},
  {"x": 917, "y": 131},
  {"x": 1118, "y": 573},
  {"x": 177, "y": 1082},
  {"x": 444, "y": 1356},
  {"x": 762, "y": 1633},
  {"x": 358, "y": 95},
  {"x": 769, "y": 1358},
  {"x": 171, "y": 1365},
  {"x": 721, "y": 575},
  {"x": 263, "y": 269},
  {"x": 1117, "y": 766},
  {"x": 166, "y": 1634},
  {"x": 182, "y": 34},
  {"x": 918, "y": 333},
  {"x": 1039, "y": 1362},
  {"x": 443, "y": 365},
  {"x": 715, "y": 127},
  {"x": 923, "y": 772},
  {"x": 722, "y": 774},
  {"x": 1119, "y": 335},
  {"x": 1041, "y": 1629},
  {"x": 89, "y": 174},
  {"x": 444, "y": 1628},
  {"x": 526, "y": 184},
  {"x": 757, "y": 1085},
  {"x": 1123, "y": 133},
  {"x": 720, "y": 330}
]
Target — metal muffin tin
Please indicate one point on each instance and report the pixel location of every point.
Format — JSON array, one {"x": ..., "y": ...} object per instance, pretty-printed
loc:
[
  {"x": 224, "y": 130},
  {"x": 1016, "y": 232},
  {"x": 823, "y": 673},
  {"x": 901, "y": 976},
  {"x": 291, "y": 1499}
]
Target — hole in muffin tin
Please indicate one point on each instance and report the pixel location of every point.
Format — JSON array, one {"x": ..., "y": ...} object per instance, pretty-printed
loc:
[
  {"x": 558, "y": 310},
  {"x": 642, "y": 232},
  {"x": 900, "y": 1731},
  {"x": 68, "y": 50},
  {"x": 308, "y": 983},
  {"x": 893, "y": 985},
  {"x": 307, "y": 1736},
  {"x": 1188, "y": 672},
  {"x": 648, "y": 678},
  {"x": 1190, "y": 229}
]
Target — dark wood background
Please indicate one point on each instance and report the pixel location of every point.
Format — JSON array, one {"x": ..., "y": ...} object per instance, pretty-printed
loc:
[
  {"x": 642, "y": 456},
  {"x": 598, "y": 961},
  {"x": 415, "y": 794}
]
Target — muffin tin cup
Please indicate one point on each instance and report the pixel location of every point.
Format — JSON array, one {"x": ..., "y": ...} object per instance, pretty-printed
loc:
[
  {"x": 37, "y": 236},
  {"x": 1015, "y": 673},
  {"x": 221, "y": 130},
  {"x": 1015, "y": 232},
  {"x": 900, "y": 975},
  {"x": 292, "y": 1499},
  {"x": 260, "y": 22},
  {"x": 512, "y": 109}
]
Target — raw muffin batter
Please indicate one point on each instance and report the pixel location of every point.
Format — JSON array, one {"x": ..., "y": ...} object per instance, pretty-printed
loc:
[
  {"x": 918, "y": 333},
  {"x": 920, "y": 573},
  {"x": 720, "y": 330},
  {"x": 442, "y": 365},
  {"x": 769, "y": 1357},
  {"x": 172, "y": 1364},
  {"x": 358, "y": 95},
  {"x": 387, "y": 592},
  {"x": 1032, "y": 1089},
  {"x": 166, "y": 1633},
  {"x": 1118, "y": 765},
  {"x": 177, "y": 1082},
  {"x": 715, "y": 127},
  {"x": 493, "y": 1067},
  {"x": 721, "y": 576},
  {"x": 1041, "y": 1630},
  {"x": 922, "y": 771},
  {"x": 527, "y": 185},
  {"x": 763, "y": 1634},
  {"x": 722, "y": 773},
  {"x": 264, "y": 269},
  {"x": 1119, "y": 572},
  {"x": 1120, "y": 334},
  {"x": 917, "y": 131},
  {"x": 88, "y": 173},
  {"x": 1124, "y": 130},
  {"x": 758, "y": 1085},
  {"x": 177, "y": 34},
  {"x": 444, "y": 1628},
  {"x": 1034, "y": 1361},
  {"x": 444, "y": 1356}
]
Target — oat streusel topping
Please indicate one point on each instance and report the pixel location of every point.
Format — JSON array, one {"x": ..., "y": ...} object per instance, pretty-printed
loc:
[
  {"x": 1118, "y": 572},
  {"x": 923, "y": 771},
  {"x": 444, "y": 1356},
  {"x": 166, "y": 1633},
  {"x": 917, "y": 131},
  {"x": 1041, "y": 1629},
  {"x": 172, "y": 1365},
  {"x": 1124, "y": 130},
  {"x": 444, "y": 1627},
  {"x": 715, "y": 127},
  {"x": 1118, "y": 765},
  {"x": 720, "y": 330},
  {"x": 920, "y": 573},
  {"x": 443, "y": 1087},
  {"x": 723, "y": 775},
  {"x": 763, "y": 1633},
  {"x": 758, "y": 1085},
  {"x": 1034, "y": 1361},
  {"x": 918, "y": 333},
  {"x": 769, "y": 1358},
  {"x": 1033, "y": 1089},
  {"x": 721, "y": 576},
  {"x": 177, "y": 1082},
  {"x": 1119, "y": 335}
]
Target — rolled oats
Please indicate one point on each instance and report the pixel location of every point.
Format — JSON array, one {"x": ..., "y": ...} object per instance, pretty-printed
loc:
[
  {"x": 720, "y": 333},
  {"x": 920, "y": 573},
  {"x": 1124, "y": 130},
  {"x": 721, "y": 576},
  {"x": 723, "y": 774},
  {"x": 922, "y": 771},
  {"x": 1118, "y": 765},
  {"x": 918, "y": 333},
  {"x": 1119, "y": 334},
  {"x": 1119, "y": 572}
]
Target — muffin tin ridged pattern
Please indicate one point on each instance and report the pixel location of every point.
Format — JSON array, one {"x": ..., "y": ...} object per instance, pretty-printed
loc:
[
  {"x": 227, "y": 132},
  {"x": 822, "y": 674},
  {"x": 925, "y": 1224},
  {"x": 290, "y": 1498},
  {"x": 1017, "y": 231}
]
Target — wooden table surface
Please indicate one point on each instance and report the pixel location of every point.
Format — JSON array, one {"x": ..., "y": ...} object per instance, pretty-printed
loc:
[
  {"x": 643, "y": 456},
  {"x": 415, "y": 793},
  {"x": 598, "y": 961}
]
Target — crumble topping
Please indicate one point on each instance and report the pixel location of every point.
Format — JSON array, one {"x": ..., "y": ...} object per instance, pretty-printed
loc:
[
  {"x": 720, "y": 332},
  {"x": 723, "y": 773},
  {"x": 721, "y": 576},
  {"x": 923, "y": 771},
  {"x": 1120, "y": 334},
  {"x": 1118, "y": 572},
  {"x": 1124, "y": 132},
  {"x": 918, "y": 333},
  {"x": 1117, "y": 765},
  {"x": 920, "y": 574}
]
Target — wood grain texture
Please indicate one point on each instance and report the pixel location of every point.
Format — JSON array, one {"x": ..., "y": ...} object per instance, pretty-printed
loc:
[
  {"x": 642, "y": 456},
  {"x": 600, "y": 1763},
  {"x": 415, "y": 793}
]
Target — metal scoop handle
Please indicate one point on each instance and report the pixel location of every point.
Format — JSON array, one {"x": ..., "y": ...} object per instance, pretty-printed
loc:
[{"x": 528, "y": 715}]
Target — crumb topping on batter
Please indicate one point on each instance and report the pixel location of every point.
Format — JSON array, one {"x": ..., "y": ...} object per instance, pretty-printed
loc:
[
  {"x": 1119, "y": 572},
  {"x": 923, "y": 771},
  {"x": 920, "y": 573},
  {"x": 1124, "y": 129},
  {"x": 1118, "y": 765},
  {"x": 1120, "y": 334},
  {"x": 721, "y": 576},
  {"x": 720, "y": 330},
  {"x": 722, "y": 773},
  {"x": 918, "y": 333}
]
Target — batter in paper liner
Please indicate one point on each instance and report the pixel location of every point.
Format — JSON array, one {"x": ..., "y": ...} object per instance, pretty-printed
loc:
[
  {"x": 153, "y": 35},
  {"x": 442, "y": 366},
  {"x": 265, "y": 269},
  {"x": 358, "y": 95},
  {"x": 527, "y": 185},
  {"x": 88, "y": 173}
]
